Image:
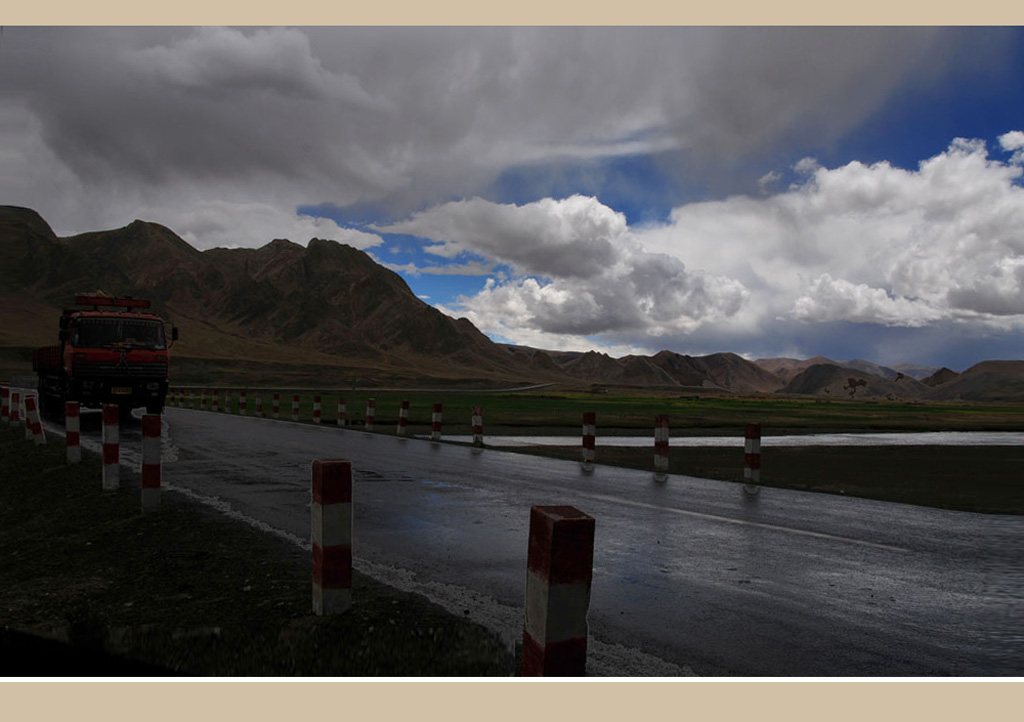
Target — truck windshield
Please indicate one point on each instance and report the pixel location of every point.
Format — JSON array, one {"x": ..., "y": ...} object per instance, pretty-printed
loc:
[{"x": 100, "y": 332}]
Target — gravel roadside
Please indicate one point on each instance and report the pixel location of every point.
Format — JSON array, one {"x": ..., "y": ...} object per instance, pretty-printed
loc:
[{"x": 90, "y": 586}]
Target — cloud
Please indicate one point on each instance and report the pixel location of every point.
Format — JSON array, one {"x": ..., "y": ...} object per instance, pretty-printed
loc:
[
  {"x": 870, "y": 243},
  {"x": 857, "y": 244},
  {"x": 413, "y": 117},
  {"x": 577, "y": 271}
]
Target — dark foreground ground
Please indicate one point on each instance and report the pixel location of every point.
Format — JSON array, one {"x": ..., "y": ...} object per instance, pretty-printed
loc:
[{"x": 90, "y": 586}]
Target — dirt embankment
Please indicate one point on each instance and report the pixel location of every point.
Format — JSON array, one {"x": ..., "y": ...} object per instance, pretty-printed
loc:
[{"x": 185, "y": 591}]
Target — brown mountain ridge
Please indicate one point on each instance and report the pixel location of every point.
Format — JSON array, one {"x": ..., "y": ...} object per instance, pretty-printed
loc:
[{"x": 334, "y": 311}]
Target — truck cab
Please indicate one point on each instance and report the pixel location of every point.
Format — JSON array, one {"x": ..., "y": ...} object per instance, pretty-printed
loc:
[{"x": 112, "y": 353}]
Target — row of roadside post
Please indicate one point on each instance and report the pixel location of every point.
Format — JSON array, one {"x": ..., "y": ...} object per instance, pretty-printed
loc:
[{"x": 210, "y": 400}]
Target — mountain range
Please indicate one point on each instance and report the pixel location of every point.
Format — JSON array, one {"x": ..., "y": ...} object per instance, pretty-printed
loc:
[{"x": 328, "y": 314}]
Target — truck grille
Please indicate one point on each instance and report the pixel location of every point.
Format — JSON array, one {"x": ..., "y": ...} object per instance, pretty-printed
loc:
[{"x": 91, "y": 369}]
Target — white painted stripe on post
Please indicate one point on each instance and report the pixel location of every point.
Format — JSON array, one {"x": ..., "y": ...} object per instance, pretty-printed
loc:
[
  {"x": 332, "y": 524},
  {"x": 72, "y": 432},
  {"x": 556, "y": 612},
  {"x": 316, "y": 409},
  {"x": 15, "y": 407},
  {"x": 111, "y": 448},
  {"x": 26, "y": 419},
  {"x": 295, "y": 407},
  {"x": 342, "y": 419},
  {"x": 38, "y": 434}
]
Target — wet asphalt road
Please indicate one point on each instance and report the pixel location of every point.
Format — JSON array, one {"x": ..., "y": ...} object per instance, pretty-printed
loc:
[{"x": 689, "y": 571}]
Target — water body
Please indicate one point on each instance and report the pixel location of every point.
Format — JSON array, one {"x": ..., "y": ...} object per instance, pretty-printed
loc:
[{"x": 929, "y": 438}]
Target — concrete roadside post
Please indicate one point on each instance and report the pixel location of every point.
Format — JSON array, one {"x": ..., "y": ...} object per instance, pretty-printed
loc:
[
  {"x": 295, "y": 407},
  {"x": 25, "y": 418},
  {"x": 151, "y": 464},
  {"x": 216, "y": 400},
  {"x": 276, "y": 406},
  {"x": 191, "y": 399},
  {"x": 371, "y": 412},
  {"x": 560, "y": 563},
  {"x": 242, "y": 403},
  {"x": 15, "y": 407},
  {"x": 259, "y": 404},
  {"x": 752, "y": 459},
  {"x": 227, "y": 401},
  {"x": 316, "y": 409},
  {"x": 435, "y": 423},
  {"x": 331, "y": 521},
  {"x": 403, "y": 417},
  {"x": 111, "y": 448},
  {"x": 661, "y": 435},
  {"x": 72, "y": 431},
  {"x": 589, "y": 438},
  {"x": 5, "y": 404},
  {"x": 477, "y": 421},
  {"x": 342, "y": 419},
  {"x": 32, "y": 406}
]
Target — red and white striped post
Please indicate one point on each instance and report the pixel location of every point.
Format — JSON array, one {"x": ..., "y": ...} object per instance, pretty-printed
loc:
[
  {"x": 111, "y": 448},
  {"x": 276, "y": 406},
  {"x": 32, "y": 406},
  {"x": 151, "y": 465},
  {"x": 203, "y": 403},
  {"x": 403, "y": 417},
  {"x": 259, "y": 404},
  {"x": 5, "y": 404},
  {"x": 560, "y": 568},
  {"x": 331, "y": 510},
  {"x": 316, "y": 409},
  {"x": 589, "y": 434},
  {"x": 752, "y": 458},
  {"x": 371, "y": 412},
  {"x": 295, "y": 407},
  {"x": 25, "y": 395},
  {"x": 191, "y": 399},
  {"x": 216, "y": 400},
  {"x": 227, "y": 401},
  {"x": 661, "y": 445},
  {"x": 342, "y": 419},
  {"x": 15, "y": 407},
  {"x": 242, "y": 403},
  {"x": 477, "y": 421},
  {"x": 435, "y": 423},
  {"x": 72, "y": 431}
]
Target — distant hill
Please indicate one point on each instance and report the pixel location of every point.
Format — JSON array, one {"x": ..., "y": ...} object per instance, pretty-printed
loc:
[
  {"x": 986, "y": 381},
  {"x": 839, "y": 382},
  {"x": 917, "y": 371},
  {"x": 334, "y": 311},
  {"x": 940, "y": 377},
  {"x": 326, "y": 303}
]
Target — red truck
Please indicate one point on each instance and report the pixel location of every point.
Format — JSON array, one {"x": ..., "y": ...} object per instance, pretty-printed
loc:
[{"x": 111, "y": 353}]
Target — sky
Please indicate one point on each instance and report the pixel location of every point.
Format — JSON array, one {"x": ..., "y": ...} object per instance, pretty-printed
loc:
[{"x": 784, "y": 191}]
